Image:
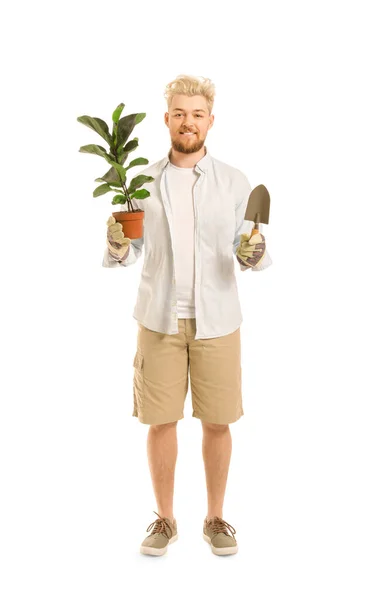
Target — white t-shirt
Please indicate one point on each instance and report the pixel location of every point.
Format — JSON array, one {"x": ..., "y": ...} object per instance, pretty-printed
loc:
[{"x": 180, "y": 183}]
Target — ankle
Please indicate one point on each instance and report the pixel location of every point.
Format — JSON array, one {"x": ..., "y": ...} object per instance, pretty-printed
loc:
[
  {"x": 211, "y": 515},
  {"x": 167, "y": 516}
]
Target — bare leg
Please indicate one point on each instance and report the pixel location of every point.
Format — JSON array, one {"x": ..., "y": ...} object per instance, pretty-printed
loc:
[
  {"x": 216, "y": 451},
  {"x": 162, "y": 450}
]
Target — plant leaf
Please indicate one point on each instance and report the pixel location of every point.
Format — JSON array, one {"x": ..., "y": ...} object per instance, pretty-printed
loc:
[
  {"x": 137, "y": 161},
  {"x": 141, "y": 194},
  {"x": 119, "y": 199},
  {"x": 125, "y": 126},
  {"x": 102, "y": 189},
  {"x": 95, "y": 149},
  {"x": 117, "y": 112},
  {"x": 140, "y": 117},
  {"x": 111, "y": 177},
  {"x": 138, "y": 181},
  {"x": 132, "y": 145},
  {"x": 111, "y": 183},
  {"x": 119, "y": 168},
  {"x": 122, "y": 157},
  {"x": 98, "y": 125}
]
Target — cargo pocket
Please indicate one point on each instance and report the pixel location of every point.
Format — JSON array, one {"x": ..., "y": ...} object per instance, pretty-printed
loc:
[{"x": 138, "y": 383}]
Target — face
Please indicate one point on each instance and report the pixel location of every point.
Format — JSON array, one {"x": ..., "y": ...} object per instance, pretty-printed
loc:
[{"x": 188, "y": 114}]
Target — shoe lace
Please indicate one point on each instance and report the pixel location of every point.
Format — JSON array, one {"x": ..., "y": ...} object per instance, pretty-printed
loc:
[
  {"x": 160, "y": 525},
  {"x": 218, "y": 525}
]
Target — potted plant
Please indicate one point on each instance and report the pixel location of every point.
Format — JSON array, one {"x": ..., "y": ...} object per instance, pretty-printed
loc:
[{"x": 115, "y": 180}]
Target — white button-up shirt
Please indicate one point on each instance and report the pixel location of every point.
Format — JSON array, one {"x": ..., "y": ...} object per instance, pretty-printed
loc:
[{"x": 221, "y": 196}]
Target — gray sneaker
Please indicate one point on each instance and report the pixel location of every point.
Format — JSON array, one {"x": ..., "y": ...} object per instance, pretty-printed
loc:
[{"x": 164, "y": 532}]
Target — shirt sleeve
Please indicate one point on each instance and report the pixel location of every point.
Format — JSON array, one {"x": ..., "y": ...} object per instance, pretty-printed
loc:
[
  {"x": 135, "y": 247},
  {"x": 246, "y": 226}
]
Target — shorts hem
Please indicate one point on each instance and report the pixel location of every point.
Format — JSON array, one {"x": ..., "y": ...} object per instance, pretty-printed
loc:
[
  {"x": 228, "y": 422},
  {"x": 163, "y": 421}
]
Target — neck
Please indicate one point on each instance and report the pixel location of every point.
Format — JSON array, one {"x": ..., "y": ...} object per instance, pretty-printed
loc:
[{"x": 180, "y": 159}]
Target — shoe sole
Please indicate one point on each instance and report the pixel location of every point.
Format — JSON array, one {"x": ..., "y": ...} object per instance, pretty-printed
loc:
[
  {"x": 220, "y": 551},
  {"x": 157, "y": 551}
]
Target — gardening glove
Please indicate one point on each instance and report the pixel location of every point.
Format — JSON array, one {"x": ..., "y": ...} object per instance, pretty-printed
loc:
[
  {"x": 251, "y": 250},
  {"x": 118, "y": 245}
]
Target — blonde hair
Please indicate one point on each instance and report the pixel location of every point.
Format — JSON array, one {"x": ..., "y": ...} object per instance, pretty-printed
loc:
[{"x": 191, "y": 86}]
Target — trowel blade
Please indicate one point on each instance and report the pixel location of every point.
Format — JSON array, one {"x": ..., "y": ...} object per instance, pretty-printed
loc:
[{"x": 258, "y": 202}]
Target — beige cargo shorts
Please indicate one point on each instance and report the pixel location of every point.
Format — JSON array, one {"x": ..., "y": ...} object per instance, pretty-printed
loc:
[{"x": 162, "y": 365}]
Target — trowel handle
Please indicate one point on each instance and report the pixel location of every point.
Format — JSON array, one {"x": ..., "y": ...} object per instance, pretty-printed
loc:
[{"x": 256, "y": 227}]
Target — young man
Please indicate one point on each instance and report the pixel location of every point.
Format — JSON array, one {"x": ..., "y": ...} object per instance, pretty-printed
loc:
[{"x": 187, "y": 308}]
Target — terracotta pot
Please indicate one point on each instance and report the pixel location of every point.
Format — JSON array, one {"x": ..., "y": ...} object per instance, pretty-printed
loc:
[{"x": 132, "y": 223}]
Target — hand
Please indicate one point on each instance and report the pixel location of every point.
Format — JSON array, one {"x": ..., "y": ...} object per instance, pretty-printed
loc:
[
  {"x": 118, "y": 244},
  {"x": 251, "y": 250}
]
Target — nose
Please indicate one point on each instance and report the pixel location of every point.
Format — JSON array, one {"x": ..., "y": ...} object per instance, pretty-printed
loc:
[{"x": 188, "y": 124}]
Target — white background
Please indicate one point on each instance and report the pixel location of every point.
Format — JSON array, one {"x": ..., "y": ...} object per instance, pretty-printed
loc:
[{"x": 300, "y": 106}]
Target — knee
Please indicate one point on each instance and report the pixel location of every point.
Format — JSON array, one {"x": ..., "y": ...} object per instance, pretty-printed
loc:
[
  {"x": 214, "y": 427},
  {"x": 163, "y": 426}
]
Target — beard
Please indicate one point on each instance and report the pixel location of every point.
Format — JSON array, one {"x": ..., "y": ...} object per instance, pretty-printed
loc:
[{"x": 187, "y": 146}]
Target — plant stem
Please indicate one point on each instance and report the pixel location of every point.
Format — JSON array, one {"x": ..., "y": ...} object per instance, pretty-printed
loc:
[
  {"x": 130, "y": 208},
  {"x": 127, "y": 197}
]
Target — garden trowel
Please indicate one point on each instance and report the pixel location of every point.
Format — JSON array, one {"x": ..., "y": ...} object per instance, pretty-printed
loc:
[{"x": 258, "y": 207}]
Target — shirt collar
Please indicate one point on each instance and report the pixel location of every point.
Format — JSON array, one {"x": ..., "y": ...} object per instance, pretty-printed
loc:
[{"x": 203, "y": 164}]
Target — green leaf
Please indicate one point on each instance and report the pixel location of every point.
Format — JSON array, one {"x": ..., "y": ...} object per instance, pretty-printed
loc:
[
  {"x": 102, "y": 189},
  {"x": 117, "y": 112},
  {"x": 119, "y": 199},
  {"x": 138, "y": 181},
  {"x": 125, "y": 126},
  {"x": 122, "y": 154},
  {"x": 140, "y": 117},
  {"x": 118, "y": 185},
  {"x": 111, "y": 183},
  {"x": 110, "y": 177},
  {"x": 119, "y": 168},
  {"x": 122, "y": 157},
  {"x": 95, "y": 149},
  {"x": 131, "y": 146},
  {"x": 141, "y": 194},
  {"x": 98, "y": 125},
  {"x": 137, "y": 161}
]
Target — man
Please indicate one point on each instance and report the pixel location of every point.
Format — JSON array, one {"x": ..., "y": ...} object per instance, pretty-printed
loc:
[{"x": 187, "y": 309}]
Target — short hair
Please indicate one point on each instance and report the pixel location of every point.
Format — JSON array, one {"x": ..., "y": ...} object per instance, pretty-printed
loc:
[{"x": 191, "y": 86}]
